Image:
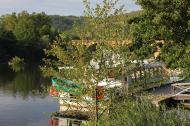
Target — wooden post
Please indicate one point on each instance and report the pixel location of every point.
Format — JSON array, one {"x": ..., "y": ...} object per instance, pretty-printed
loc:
[
  {"x": 123, "y": 76},
  {"x": 149, "y": 74},
  {"x": 135, "y": 74},
  {"x": 173, "y": 89},
  {"x": 97, "y": 106},
  {"x": 140, "y": 72},
  {"x": 145, "y": 75}
]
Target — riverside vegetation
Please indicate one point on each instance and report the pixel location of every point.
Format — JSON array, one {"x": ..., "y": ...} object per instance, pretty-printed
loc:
[{"x": 103, "y": 24}]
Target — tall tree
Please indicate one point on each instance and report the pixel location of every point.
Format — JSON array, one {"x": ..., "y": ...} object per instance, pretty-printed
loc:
[
  {"x": 25, "y": 31},
  {"x": 42, "y": 23},
  {"x": 104, "y": 28}
]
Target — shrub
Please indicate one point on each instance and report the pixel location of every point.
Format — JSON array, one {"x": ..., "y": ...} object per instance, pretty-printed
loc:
[
  {"x": 130, "y": 112},
  {"x": 16, "y": 64}
]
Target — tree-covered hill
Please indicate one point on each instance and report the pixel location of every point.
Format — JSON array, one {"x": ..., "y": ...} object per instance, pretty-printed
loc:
[{"x": 64, "y": 23}]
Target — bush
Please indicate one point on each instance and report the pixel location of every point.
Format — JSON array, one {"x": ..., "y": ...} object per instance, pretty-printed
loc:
[
  {"x": 16, "y": 64},
  {"x": 141, "y": 113}
]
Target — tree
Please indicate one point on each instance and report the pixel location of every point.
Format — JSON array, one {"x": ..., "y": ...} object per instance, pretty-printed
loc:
[
  {"x": 42, "y": 23},
  {"x": 7, "y": 43},
  {"x": 7, "y": 35},
  {"x": 45, "y": 30},
  {"x": 41, "y": 19},
  {"x": 104, "y": 26},
  {"x": 9, "y": 21},
  {"x": 26, "y": 35},
  {"x": 7, "y": 25},
  {"x": 25, "y": 30},
  {"x": 166, "y": 21}
]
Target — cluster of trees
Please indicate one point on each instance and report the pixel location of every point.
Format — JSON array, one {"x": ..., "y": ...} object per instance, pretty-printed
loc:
[
  {"x": 27, "y": 27},
  {"x": 25, "y": 35}
]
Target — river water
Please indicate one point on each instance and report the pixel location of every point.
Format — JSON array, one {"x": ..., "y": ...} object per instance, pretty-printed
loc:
[{"x": 22, "y": 98}]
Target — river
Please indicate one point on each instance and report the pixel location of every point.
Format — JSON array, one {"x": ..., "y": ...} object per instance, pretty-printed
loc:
[{"x": 22, "y": 102}]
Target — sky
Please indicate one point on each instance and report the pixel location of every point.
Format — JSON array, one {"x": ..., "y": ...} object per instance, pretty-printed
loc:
[{"x": 51, "y": 7}]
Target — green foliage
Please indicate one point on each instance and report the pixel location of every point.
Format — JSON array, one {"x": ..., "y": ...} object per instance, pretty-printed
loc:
[
  {"x": 9, "y": 21},
  {"x": 143, "y": 113},
  {"x": 31, "y": 27},
  {"x": 25, "y": 31},
  {"x": 45, "y": 30},
  {"x": 132, "y": 112},
  {"x": 16, "y": 64},
  {"x": 26, "y": 35},
  {"x": 6, "y": 33},
  {"x": 166, "y": 20},
  {"x": 6, "y": 44},
  {"x": 28, "y": 27},
  {"x": 45, "y": 39},
  {"x": 64, "y": 23},
  {"x": 102, "y": 25}
]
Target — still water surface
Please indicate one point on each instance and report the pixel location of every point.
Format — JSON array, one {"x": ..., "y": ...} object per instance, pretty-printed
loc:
[{"x": 21, "y": 103}]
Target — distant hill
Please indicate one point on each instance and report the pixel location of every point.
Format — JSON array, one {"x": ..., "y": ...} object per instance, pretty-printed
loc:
[{"x": 65, "y": 23}]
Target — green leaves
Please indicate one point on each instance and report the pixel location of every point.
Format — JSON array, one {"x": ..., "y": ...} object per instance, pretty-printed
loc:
[
  {"x": 104, "y": 22},
  {"x": 25, "y": 30},
  {"x": 143, "y": 113},
  {"x": 101, "y": 52},
  {"x": 166, "y": 20},
  {"x": 16, "y": 64}
]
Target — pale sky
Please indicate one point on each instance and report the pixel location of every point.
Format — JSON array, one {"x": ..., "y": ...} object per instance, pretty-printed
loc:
[{"x": 59, "y": 7}]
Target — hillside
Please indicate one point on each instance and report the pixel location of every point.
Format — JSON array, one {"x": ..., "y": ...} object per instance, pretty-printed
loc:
[{"x": 65, "y": 23}]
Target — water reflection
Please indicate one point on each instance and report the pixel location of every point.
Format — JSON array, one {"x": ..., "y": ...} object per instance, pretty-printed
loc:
[
  {"x": 25, "y": 83},
  {"x": 22, "y": 102}
]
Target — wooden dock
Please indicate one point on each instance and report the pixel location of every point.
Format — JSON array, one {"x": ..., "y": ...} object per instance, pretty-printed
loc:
[
  {"x": 180, "y": 96},
  {"x": 181, "y": 92}
]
